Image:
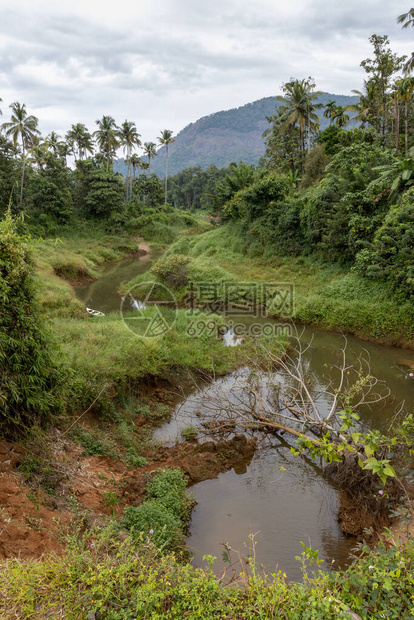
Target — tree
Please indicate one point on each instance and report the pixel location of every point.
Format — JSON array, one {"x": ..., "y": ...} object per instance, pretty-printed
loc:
[
  {"x": 107, "y": 138},
  {"x": 322, "y": 419},
  {"x": 398, "y": 175},
  {"x": 283, "y": 144},
  {"x": 165, "y": 139},
  {"x": 64, "y": 150},
  {"x": 97, "y": 193},
  {"x": 24, "y": 128},
  {"x": 365, "y": 110},
  {"x": 8, "y": 172},
  {"x": 150, "y": 151},
  {"x": 51, "y": 189},
  {"x": 299, "y": 110},
  {"x": 53, "y": 141},
  {"x": 329, "y": 111},
  {"x": 404, "y": 92},
  {"x": 150, "y": 189},
  {"x": 128, "y": 139},
  {"x": 341, "y": 118},
  {"x": 79, "y": 140},
  {"x": 381, "y": 68},
  {"x": 407, "y": 19},
  {"x": 238, "y": 177},
  {"x": 29, "y": 379},
  {"x": 136, "y": 163}
]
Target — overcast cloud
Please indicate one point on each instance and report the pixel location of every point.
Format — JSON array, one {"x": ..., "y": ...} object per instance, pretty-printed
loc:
[{"x": 166, "y": 63}]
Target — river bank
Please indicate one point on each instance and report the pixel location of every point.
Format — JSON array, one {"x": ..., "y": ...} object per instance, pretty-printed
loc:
[
  {"x": 325, "y": 295},
  {"x": 106, "y": 453}
]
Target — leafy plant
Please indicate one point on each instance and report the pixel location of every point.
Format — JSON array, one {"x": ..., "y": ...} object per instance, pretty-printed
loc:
[
  {"x": 173, "y": 270},
  {"x": 189, "y": 433},
  {"x": 30, "y": 381}
]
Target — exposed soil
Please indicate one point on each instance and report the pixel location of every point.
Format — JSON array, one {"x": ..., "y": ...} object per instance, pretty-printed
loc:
[
  {"x": 143, "y": 248},
  {"x": 32, "y": 522}
]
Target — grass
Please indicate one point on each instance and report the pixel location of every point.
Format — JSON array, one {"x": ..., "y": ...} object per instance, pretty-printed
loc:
[
  {"x": 107, "y": 360},
  {"x": 327, "y": 295},
  {"x": 100, "y": 574},
  {"x": 59, "y": 261}
]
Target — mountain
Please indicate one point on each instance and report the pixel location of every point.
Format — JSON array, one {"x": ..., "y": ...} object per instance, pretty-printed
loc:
[{"x": 223, "y": 137}]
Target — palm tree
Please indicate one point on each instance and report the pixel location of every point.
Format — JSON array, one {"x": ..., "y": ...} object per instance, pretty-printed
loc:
[
  {"x": 404, "y": 93},
  {"x": 150, "y": 151},
  {"x": 136, "y": 162},
  {"x": 165, "y": 139},
  {"x": 64, "y": 149},
  {"x": 79, "y": 135},
  {"x": 407, "y": 19},
  {"x": 398, "y": 175},
  {"x": 52, "y": 141},
  {"x": 330, "y": 110},
  {"x": 38, "y": 154},
  {"x": 299, "y": 109},
  {"x": 341, "y": 118},
  {"x": 21, "y": 127},
  {"x": 106, "y": 137},
  {"x": 128, "y": 138},
  {"x": 365, "y": 109}
]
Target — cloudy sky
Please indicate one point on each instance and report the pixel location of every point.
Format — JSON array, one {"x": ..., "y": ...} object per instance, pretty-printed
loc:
[{"x": 166, "y": 63}]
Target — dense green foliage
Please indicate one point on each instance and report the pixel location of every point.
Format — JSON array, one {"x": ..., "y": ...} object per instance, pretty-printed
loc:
[
  {"x": 29, "y": 378},
  {"x": 163, "y": 518}
]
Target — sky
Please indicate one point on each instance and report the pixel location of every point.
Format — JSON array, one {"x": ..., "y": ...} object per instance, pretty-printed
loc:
[{"x": 167, "y": 63}]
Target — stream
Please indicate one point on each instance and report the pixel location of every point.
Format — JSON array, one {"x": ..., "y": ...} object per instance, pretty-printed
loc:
[{"x": 280, "y": 498}]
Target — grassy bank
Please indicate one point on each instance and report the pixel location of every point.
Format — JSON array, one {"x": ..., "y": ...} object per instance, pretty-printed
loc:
[
  {"x": 101, "y": 575},
  {"x": 105, "y": 356},
  {"x": 64, "y": 261},
  {"x": 327, "y": 295},
  {"x": 74, "y": 256}
]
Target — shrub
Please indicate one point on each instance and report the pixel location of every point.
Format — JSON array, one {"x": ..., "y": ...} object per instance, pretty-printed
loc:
[
  {"x": 29, "y": 379},
  {"x": 154, "y": 521},
  {"x": 173, "y": 270},
  {"x": 165, "y": 515},
  {"x": 391, "y": 255},
  {"x": 189, "y": 433}
]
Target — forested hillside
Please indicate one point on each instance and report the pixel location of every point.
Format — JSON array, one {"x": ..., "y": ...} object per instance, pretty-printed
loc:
[{"x": 226, "y": 136}]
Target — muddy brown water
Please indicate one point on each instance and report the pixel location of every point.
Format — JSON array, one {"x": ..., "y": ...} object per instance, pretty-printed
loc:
[{"x": 280, "y": 498}]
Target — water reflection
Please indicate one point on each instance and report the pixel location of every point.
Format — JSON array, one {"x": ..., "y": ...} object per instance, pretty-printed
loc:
[
  {"x": 283, "y": 497},
  {"x": 103, "y": 295}
]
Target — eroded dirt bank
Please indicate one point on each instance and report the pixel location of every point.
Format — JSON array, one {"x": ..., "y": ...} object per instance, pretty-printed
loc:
[{"x": 32, "y": 521}]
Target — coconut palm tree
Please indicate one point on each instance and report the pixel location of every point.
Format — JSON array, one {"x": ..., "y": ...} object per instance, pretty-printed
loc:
[
  {"x": 407, "y": 20},
  {"x": 299, "y": 110},
  {"x": 64, "y": 149},
  {"x": 128, "y": 138},
  {"x": 80, "y": 140},
  {"x": 165, "y": 139},
  {"x": 52, "y": 141},
  {"x": 150, "y": 151},
  {"x": 21, "y": 128},
  {"x": 330, "y": 110},
  {"x": 37, "y": 153},
  {"x": 107, "y": 138},
  {"x": 366, "y": 109},
  {"x": 341, "y": 118},
  {"x": 404, "y": 93},
  {"x": 136, "y": 162}
]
